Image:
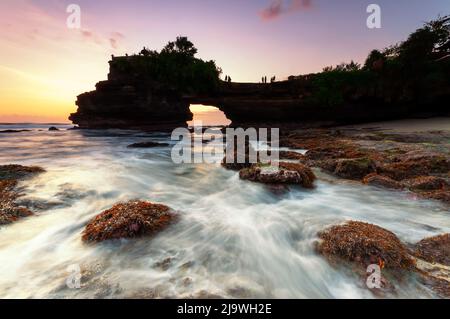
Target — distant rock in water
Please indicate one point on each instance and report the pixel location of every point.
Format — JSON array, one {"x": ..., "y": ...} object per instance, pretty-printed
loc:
[
  {"x": 13, "y": 131},
  {"x": 10, "y": 210},
  {"x": 53, "y": 128},
  {"x": 129, "y": 220},
  {"x": 147, "y": 145}
]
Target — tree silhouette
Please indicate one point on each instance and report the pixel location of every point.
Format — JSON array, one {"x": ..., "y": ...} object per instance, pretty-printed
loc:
[{"x": 182, "y": 46}]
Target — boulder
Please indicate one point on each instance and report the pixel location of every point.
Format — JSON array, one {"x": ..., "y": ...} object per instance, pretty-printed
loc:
[
  {"x": 434, "y": 249},
  {"x": 129, "y": 220},
  {"x": 381, "y": 181},
  {"x": 355, "y": 169},
  {"x": 285, "y": 173},
  {"x": 53, "y": 128},
  {"x": 365, "y": 244}
]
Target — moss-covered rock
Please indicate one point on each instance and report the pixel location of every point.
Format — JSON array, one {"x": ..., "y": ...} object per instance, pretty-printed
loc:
[
  {"x": 434, "y": 249},
  {"x": 355, "y": 169},
  {"x": 129, "y": 220},
  {"x": 365, "y": 244},
  {"x": 381, "y": 181}
]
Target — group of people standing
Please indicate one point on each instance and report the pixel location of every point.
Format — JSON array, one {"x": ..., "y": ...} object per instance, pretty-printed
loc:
[{"x": 264, "y": 79}]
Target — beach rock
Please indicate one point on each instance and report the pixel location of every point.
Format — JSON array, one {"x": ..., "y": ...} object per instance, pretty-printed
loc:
[
  {"x": 420, "y": 165},
  {"x": 290, "y": 155},
  {"x": 147, "y": 145},
  {"x": 53, "y": 128},
  {"x": 14, "y": 172},
  {"x": 129, "y": 220},
  {"x": 364, "y": 244},
  {"x": 355, "y": 169},
  {"x": 434, "y": 249},
  {"x": 442, "y": 195},
  {"x": 9, "y": 210},
  {"x": 381, "y": 181},
  {"x": 426, "y": 183},
  {"x": 286, "y": 173}
]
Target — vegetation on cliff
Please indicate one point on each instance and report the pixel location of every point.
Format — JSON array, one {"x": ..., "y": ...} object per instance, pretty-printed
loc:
[
  {"x": 175, "y": 66},
  {"x": 414, "y": 71}
]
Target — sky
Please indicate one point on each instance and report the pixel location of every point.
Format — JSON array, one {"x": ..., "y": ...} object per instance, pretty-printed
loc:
[{"x": 44, "y": 64}]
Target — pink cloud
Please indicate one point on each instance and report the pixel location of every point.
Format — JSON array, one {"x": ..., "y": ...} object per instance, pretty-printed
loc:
[{"x": 281, "y": 7}]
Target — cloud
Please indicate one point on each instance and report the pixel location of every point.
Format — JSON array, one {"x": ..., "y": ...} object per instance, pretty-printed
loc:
[
  {"x": 115, "y": 39},
  {"x": 281, "y": 7}
]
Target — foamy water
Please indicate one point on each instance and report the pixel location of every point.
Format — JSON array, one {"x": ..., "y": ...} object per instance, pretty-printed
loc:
[{"x": 234, "y": 238}]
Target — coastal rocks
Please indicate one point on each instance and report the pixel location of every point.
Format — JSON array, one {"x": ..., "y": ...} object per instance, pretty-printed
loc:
[
  {"x": 426, "y": 183},
  {"x": 355, "y": 169},
  {"x": 10, "y": 210},
  {"x": 14, "y": 172},
  {"x": 434, "y": 250},
  {"x": 129, "y": 220},
  {"x": 365, "y": 244},
  {"x": 53, "y": 129},
  {"x": 381, "y": 181},
  {"x": 411, "y": 167},
  {"x": 147, "y": 145},
  {"x": 285, "y": 173},
  {"x": 290, "y": 155}
]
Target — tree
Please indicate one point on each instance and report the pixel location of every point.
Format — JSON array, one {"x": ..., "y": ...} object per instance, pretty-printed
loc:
[
  {"x": 375, "y": 60},
  {"x": 181, "y": 46}
]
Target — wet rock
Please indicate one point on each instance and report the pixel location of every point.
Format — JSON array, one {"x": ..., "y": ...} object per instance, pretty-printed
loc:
[
  {"x": 14, "y": 172},
  {"x": 129, "y": 220},
  {"x": 365, "y": 244},
  {"x": 355, "y": 169},
  {"x": 434, "y": 249},
  {"x": 426, "y": 183},
  {"x": 290, "y": 155},
  {"x": 10, "y": 209},
  {"x": 234, "y": 161},
  {"x": 286, "y": 173},
  {"x": 381, "y": 181},
  {"x": 440, "y": 195},
  {"x": 53, "y": 129},
  {"x": 419, "y": 165},
  {"x": 147, "y": 145}
]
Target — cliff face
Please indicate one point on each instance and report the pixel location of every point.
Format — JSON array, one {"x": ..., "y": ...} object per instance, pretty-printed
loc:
[
  {"x": 131, "y": 101},
  {"x": 131, "y": 98}
]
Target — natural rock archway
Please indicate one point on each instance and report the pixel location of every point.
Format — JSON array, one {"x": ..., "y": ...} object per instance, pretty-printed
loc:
[{"x": 132, "y": 99}]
